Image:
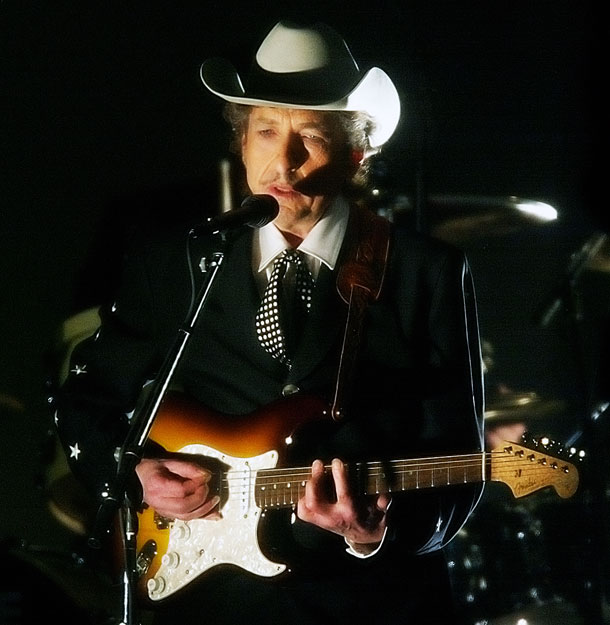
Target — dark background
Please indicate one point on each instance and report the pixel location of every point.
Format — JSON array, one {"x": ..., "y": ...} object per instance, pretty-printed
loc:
[{"x": 105, "y": 126}]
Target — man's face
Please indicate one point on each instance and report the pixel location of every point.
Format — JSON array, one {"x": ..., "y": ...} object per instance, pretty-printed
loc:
[{"x": 299, "y": 157}]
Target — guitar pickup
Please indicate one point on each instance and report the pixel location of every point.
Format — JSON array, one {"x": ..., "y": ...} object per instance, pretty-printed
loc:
[{"x": 145, "y": 557}]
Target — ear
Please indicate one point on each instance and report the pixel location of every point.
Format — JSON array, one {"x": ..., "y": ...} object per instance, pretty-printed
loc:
[{"x": 356, "y": 159}]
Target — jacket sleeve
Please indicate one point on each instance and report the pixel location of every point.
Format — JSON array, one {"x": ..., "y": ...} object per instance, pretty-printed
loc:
[
  {"x": 452, "y": 402},
  {"x": 455, "y": 415},
  {"x": 104, "y": 380}
]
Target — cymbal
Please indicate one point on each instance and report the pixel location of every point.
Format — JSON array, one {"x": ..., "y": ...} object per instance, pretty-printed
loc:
[
  {"x": 461, "y": 218},
  {"x": 520, "y": 406}
]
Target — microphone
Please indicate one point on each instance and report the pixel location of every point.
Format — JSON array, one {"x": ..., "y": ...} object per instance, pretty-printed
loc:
[{"x": 255, "y": 211}]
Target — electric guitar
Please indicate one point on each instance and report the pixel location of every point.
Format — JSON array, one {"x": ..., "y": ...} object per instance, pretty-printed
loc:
[{"x": 171, "y": 553}]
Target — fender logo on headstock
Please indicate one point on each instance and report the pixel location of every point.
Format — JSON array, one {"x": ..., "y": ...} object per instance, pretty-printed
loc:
[{"x": 525, "y": 470}]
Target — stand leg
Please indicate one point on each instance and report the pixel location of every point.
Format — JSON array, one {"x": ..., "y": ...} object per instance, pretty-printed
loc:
[{"x": 128, "y": 529}]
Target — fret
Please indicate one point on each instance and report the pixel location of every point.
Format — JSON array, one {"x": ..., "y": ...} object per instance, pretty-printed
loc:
[{"x": 277, "y": 488}]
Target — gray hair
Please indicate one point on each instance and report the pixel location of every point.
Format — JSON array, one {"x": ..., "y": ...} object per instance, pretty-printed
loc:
[{"x": 356, "y": 125}]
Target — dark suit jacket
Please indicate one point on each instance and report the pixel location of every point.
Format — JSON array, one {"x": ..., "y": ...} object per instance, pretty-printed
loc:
[{"x": 418, "y": 387}]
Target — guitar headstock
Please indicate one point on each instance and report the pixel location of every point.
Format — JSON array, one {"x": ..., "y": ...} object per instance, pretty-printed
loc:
[{"x": 526, "y": 469}]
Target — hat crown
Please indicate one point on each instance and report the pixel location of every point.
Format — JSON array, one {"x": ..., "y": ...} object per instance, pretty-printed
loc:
[{"x": 290, "y": 48}]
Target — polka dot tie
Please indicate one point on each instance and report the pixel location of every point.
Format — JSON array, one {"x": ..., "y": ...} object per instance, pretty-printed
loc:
[{"x": 285, "y": 303}]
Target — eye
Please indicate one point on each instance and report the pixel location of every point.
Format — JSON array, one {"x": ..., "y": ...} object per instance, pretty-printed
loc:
[
  {"x": 266, "y": 132},
  {"x": 314, "y": 139}
]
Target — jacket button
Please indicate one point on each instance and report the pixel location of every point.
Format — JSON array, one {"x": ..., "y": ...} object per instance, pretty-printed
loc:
[{"x": 290, "y": 389}]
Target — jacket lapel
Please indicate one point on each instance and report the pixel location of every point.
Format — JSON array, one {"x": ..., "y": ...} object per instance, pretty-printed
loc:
[
  {"x": 234, "y": 301},
  {"x": 324, "y": 327}
]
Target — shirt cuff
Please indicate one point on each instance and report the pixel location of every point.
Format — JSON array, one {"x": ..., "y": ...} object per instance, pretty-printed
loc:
[{"x": 363, "y": 556}]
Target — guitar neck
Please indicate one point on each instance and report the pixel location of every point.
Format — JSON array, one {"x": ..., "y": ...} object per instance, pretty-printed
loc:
[{"x": 282, "y": 488}]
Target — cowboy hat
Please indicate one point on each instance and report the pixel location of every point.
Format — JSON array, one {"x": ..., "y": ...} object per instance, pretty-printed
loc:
[{"x": 309, "y": 68}]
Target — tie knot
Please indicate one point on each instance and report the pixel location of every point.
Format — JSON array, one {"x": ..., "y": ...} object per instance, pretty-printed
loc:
[
  {"x": 291, "y": 263},
  {"x": 290, "y": 256}
]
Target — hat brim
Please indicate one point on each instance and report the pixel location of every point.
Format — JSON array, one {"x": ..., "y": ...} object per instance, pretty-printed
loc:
[{"x": 375, "y": 95}]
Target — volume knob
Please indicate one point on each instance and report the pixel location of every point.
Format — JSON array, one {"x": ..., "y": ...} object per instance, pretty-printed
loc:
[
  {"x": 155, "y": 585},
  {"x": 171, "y": 559},
  {"x": 183, "y": 532}
]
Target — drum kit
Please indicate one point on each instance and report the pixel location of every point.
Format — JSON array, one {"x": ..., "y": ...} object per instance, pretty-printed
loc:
[
  {"x": 526, "y": 561},
  {"x": 500, "y": 562},
  {"x": 521, "y": 562}
]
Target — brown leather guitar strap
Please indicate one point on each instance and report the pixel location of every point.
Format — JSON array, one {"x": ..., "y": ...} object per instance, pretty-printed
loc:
[{"x": 359, "y": 282}]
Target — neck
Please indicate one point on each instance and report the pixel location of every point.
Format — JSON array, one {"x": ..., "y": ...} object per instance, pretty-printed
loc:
[{"x": 293, "y": 240}]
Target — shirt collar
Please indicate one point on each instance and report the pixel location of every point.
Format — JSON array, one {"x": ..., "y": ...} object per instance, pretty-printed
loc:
[{"x": 322, "y": 243}]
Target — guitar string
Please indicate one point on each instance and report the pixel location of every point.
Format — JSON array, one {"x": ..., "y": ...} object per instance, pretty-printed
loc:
[
  {"x": 431, "y": 464},
  {"x": 415, "y": 465},
  {"x": 286, "y": 494},
  {"x": 266, "y": 477}
]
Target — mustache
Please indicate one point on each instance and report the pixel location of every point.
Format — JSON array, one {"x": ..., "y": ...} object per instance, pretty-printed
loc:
[
  {"x": 282, "y": 180},
  {"x": 321, "y": 181}
]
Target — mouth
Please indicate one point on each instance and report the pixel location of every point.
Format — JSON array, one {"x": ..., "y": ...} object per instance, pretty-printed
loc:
[{"x": 282, "y": 190}]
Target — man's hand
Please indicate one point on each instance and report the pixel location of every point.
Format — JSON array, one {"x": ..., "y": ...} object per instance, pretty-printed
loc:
[
  {"x": 361, "y": 521},
  {"x": 177, "y": 489}
]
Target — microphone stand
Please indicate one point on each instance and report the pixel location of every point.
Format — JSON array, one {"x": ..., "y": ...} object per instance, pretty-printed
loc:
[{"x": 116, "y": 494}]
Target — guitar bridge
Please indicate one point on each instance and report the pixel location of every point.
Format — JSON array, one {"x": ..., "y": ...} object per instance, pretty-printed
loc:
[{"x": 162, "y": 522}]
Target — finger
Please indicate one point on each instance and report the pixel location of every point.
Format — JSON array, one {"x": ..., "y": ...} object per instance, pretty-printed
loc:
[
  {"x": 187, "y": 469},
  {"x": 167, "y": 488},
  {"x": 194, "y": 492},
  {"x": 187, "y": 510},
  {"x": 313, "y": 486},
  {"x": 167, "y": 485},
  {"x": 339, "y": 472},
  {"x": 383, "y": 502},
  {"x": 204, "y": 509}
]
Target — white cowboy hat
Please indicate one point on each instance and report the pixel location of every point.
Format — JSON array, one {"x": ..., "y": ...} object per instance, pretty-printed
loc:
[{"x": 309, "y": 68}]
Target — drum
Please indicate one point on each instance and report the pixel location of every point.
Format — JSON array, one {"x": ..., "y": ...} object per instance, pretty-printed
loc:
[
  {"x": 498, "y": 562},
  {"x": 42, "y": 585}
]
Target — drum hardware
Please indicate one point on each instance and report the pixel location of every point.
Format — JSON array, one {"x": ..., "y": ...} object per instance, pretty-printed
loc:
[
  {"x": 599, "y": 259},
  {"x": 563, "y": 297}
]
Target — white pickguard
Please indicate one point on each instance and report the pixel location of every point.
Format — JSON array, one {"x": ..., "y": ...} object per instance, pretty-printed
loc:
[{"x": 195, "y": 546}]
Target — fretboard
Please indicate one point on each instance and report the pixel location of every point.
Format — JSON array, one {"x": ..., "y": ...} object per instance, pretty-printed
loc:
[{"x": 283, "y": 487}]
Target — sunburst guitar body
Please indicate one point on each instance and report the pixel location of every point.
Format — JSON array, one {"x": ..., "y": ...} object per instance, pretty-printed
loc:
[{"x": 246, "y": 454}]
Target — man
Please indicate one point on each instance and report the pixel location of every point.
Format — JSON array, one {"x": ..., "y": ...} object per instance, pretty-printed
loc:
[{"x": 305, "y": 124}]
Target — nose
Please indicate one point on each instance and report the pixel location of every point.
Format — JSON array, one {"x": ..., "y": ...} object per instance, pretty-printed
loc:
[{"x": 291, "y": 154}]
